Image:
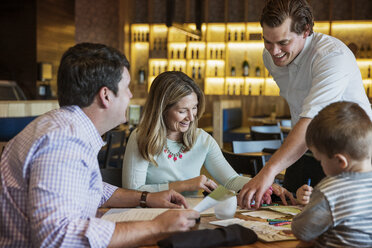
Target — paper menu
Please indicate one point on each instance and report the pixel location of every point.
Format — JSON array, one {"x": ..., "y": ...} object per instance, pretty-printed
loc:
[{"x": 132, "y": 214}]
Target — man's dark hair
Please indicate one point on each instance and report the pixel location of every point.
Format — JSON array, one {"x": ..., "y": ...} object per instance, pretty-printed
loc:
[
  {"x": 276, "y": 12},
  {"x": 84, "y": 69}
]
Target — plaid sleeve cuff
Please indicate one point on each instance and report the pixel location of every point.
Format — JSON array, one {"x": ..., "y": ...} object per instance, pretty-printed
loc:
[{"x": 108, "y": 190}]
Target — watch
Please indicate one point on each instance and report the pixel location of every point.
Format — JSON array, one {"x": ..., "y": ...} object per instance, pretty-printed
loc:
[{"x": 143, "y": 199}]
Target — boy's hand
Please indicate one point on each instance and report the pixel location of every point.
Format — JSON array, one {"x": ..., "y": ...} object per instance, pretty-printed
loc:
[{"x": 303, "y": 194}]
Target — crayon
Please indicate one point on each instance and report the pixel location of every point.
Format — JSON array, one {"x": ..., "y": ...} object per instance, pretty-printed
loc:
[
  {"x": 309, "y": 181},
  {"x": 282, "y": 223},
  {"x": 269, "y": 205},
  {"x": 277, "y": 220}
]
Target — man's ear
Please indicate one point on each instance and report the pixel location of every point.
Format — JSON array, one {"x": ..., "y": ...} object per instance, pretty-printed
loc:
[
  {"x": 104, "y": 97},
  {"x": 307, "y": 31},
  {"x": 341, "y": 160}
]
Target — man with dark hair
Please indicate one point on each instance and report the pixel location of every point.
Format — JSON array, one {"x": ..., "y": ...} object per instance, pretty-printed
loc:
[
  {"x": 51, "y": 184},
  {"x": 312, "y": 70}
]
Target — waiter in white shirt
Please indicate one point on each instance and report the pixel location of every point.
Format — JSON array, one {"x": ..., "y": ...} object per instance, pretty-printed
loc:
[{"x": 312, "y": 70}]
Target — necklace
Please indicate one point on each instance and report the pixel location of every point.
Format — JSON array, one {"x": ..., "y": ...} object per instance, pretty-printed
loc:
[{"x": 174, "y": 155}]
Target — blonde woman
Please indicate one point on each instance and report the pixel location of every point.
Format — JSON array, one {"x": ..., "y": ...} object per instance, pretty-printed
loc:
[{"x": 167, "y": 150}]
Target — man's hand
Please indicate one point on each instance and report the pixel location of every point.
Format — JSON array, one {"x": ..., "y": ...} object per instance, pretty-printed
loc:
[
  {"x": 303, "y": 194},
  {"x": 255, "y": 189},
  {"x": 176, "y": 220},
  {"x": 193, "y": 184},
  {"x": 166, "y": 199},
  {"x": 283, "y": 194}
]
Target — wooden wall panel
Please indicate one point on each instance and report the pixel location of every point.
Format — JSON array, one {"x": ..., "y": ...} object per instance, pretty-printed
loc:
[
  {"x": 55, "y": 32},
  {"x": 216, "y": 11},
  {"x": 159, "y": 11},
  {"x": 97, "y": 21},
  {"x": 254, "y": 9},
  {"x": 236, "y": 11},
  {"x": 140, "y": 11},
  {"x": 342, "y": 10},
  {"x": 320, "y": 9},
  {"x": 180, "y": 11},
  {"x": 363, "y": 10}
]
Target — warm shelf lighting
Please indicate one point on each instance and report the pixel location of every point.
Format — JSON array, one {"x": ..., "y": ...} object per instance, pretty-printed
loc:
[
  {"x": 217, "y": 27},
  {"x": 246, "y": 45},
  {"x": 141, "y": 45},
  {"x": 352, "y": 25},
  {"x": 214, "y": 62}
]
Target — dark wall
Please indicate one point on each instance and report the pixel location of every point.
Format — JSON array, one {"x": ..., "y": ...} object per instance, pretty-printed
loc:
[
  {"x": 18, "y": 43},
  {"x": 98, "y": 21}
]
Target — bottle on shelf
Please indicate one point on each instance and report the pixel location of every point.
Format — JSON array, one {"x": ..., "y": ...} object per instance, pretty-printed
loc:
[
  {"x": 242, "y": 89},
  {"x": 141, "y": 76},
  {"x": 221, "y": 53},
  {"x": 143, "y": 36},
  {"x": 236, "y": 36},
  {"x": 197, "y": 53},
  {"x": 261, "y": 89},
  {"x": 184, "y": 53},
  {"x": 234, "y": 89},
  {"x": 134, "y": 37},
  {"x": 211, "y": 54},
  {"x": 361, "y": 52},
  {"x": 229, "y": 36},
  {"x": 245, "y": 66},
  {"x": 258, "y": 71},
  {"x": 153, "y": 70},
  {"x": 369, "y": 52},
  {"x": 242, "y": 38},
  {"x": 178, "y": 54},
  {"x": 233, "y": 72},
  {"x": 147, "y": 36},
  {"x": 192, "y": 54},
  {"x": 216, "y": 71},
  {"x": 193, "y": 72},
  {"x": 250, "y": 89},
  {"x": 199, "y": 72},
  {"x": 172, "y": 54},
  {"x": 369, "y": 72},
  {"x": 216, "y": 53}
]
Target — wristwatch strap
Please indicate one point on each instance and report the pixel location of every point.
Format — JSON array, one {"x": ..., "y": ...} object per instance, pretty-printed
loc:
[{"x": 143, "y": 199}]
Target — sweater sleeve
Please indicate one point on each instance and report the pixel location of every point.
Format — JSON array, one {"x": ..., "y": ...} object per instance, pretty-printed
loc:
[
  {"x": 220, "y": 169},
  {"x": 315, "y": 219},
  {"x": 135, "y": 169}
]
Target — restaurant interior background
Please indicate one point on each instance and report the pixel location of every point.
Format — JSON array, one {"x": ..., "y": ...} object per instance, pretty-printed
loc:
[{"x": 158, "y": 35}]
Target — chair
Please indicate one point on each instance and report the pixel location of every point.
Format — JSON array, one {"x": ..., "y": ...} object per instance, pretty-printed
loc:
[
  {"x": 266, "y": 133},
  {"x": 255, "y": 145},
  {"x": 112, "y": 176},
  {"x": 11, "y": 126},
  {"x": 115, "y": 148},
  {"x": 244, "y": 164}
]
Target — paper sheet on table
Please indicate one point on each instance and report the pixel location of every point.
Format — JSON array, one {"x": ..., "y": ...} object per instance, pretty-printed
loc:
[
  {"x": 132, "y": 214},
  {"x": 269, "y": 233},
  {"x": 218, "y": 194},
  {"x": 265, "y": 214},
  {"x": 226, "y": 222},
  {"x": 292, "y": 210},
  {"x": 193, "y": 201}
]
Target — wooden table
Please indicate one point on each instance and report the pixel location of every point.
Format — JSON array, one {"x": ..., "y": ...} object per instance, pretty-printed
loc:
[{"x": 204, "y": 224}]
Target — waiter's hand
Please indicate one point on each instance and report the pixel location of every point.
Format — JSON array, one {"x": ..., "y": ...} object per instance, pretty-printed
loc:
[{"x": 255, "y": 189}]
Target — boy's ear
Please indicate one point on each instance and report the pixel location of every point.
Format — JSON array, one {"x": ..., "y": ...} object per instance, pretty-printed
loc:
[
  {"x": 104, "y": 97},
  {"x": 341, "y": 160}
]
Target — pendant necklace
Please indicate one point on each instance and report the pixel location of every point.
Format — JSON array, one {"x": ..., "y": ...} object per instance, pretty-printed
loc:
[{"x": 175, "y": 156}]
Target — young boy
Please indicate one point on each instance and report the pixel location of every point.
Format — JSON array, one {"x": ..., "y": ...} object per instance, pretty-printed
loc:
[{"x": 339, "y": 213}]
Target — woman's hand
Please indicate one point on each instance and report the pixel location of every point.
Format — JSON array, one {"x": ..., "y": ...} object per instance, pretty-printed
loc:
[
  {"x": 303, "y": 194},
  {"x": 283, "y": 194},
  {"x": 193, "y": 184}
]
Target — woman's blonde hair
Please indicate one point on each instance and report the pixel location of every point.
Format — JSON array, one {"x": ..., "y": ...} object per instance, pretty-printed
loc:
[{"x": 166, "y": 90}]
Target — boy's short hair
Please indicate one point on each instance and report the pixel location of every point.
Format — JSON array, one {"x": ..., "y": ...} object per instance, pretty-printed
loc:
[{"x": 341, "y": 127}]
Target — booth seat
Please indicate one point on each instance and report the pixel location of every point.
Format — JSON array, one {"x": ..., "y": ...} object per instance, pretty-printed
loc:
[
  {"x": 11, "y": 126},
  {"x": 232, "y": 125}
]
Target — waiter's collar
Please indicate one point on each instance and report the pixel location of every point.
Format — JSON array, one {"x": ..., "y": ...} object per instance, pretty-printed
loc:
[{"x": 300, "y": 57}]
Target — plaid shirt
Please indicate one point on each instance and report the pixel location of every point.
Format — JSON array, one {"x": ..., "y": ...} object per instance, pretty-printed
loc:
[{"x": 51, "y": 184}]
